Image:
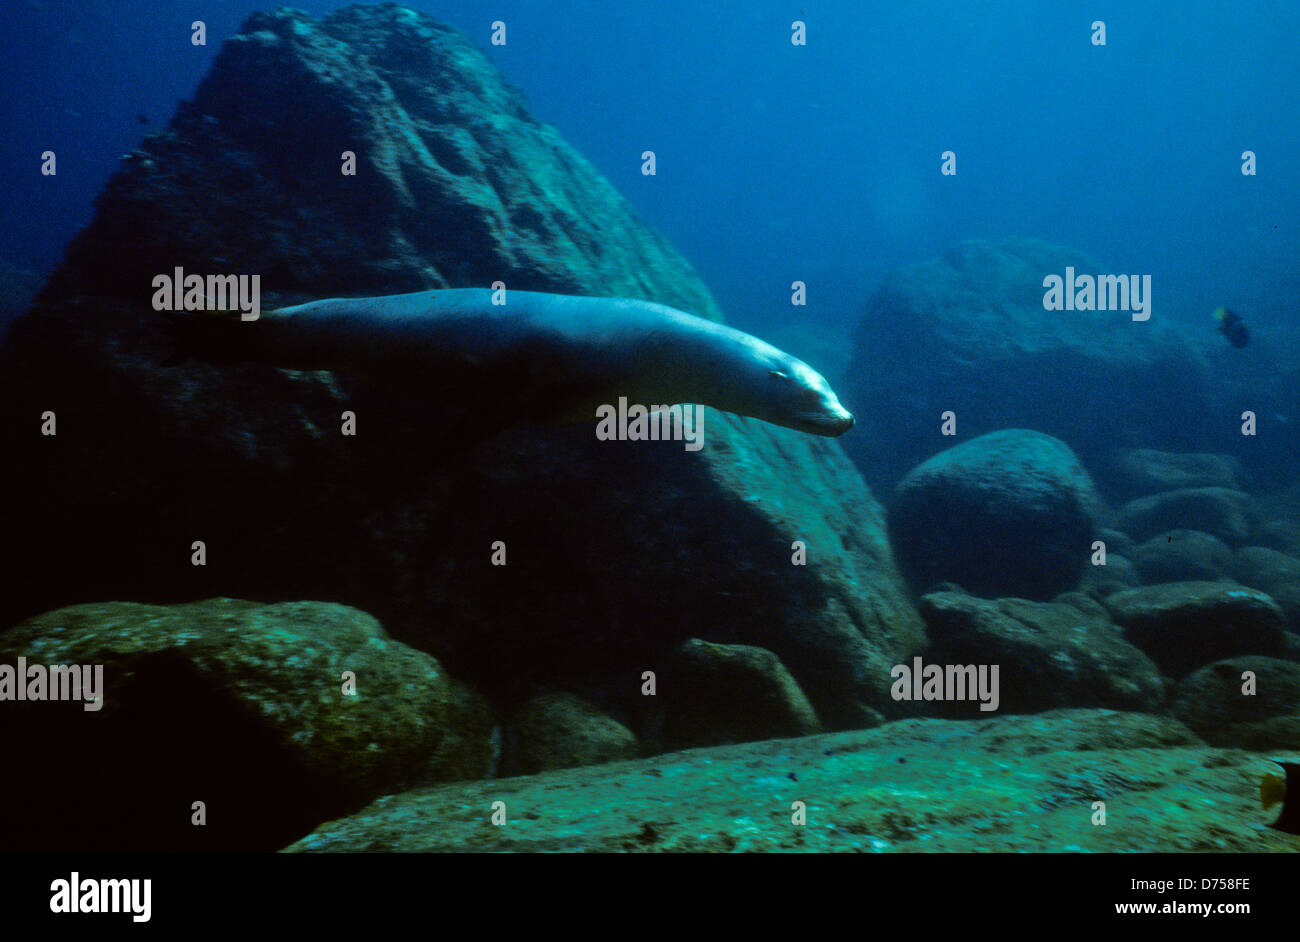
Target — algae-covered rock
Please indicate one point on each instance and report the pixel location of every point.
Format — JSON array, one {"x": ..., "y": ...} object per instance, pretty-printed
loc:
[
  {"x": 1049, "y": 655},
  {"x": 1008, "y": 513},
  {"x": 1219, "y": 511},
  {"x": 1014, "y": 783},
  {"x": 558, "y": 731},
  {"x": 1214, "y": 702},
  {"x": 718, "y": 693},
  {"x": 275, "y": 716},
  {"x": 1184, "y": 625}
]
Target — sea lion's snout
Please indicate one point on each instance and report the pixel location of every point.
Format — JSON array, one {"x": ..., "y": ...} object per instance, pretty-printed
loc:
[
  {"x": 828, "y": 418},
  {"x": 832, "y": 424},
  {"x": 802, "y": 399}
]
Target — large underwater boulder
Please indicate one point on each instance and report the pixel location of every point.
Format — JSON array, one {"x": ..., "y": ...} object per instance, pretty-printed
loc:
[
  {"x": 967, "y": 333},
  {"x": 244, "y": 707},
  {"x": 1008, "y": 513},
  {"x": 617, "y": 551},
  {"x": 1278, "y": 520}
]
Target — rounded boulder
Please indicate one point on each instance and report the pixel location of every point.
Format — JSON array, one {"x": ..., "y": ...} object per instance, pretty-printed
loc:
[{"x": 1011, "y": 513}]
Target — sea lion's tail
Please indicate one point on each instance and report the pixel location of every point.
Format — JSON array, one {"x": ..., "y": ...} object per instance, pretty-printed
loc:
[{"x": 209, "y": 336}]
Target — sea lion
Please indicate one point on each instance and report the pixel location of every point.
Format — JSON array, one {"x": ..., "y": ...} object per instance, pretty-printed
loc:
[{"x": 541, "y": 357}]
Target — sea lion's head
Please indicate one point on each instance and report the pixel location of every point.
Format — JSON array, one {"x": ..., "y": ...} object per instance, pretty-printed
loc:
[
  {"x": 766, "y": 383},
  {"x": 802, "y": 399},
  {"x": 684, "y": 358}
]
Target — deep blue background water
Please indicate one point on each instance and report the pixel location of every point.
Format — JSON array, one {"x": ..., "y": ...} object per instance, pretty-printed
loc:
[{"x": 777, "y": 162}]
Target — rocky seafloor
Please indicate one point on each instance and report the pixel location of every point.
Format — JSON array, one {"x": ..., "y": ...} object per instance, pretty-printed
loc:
[{"x": 1014, "y": 783}]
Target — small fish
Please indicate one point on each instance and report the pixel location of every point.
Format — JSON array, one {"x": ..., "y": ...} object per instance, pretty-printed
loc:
[
  {"x": 1232, "y": 327},
  {"x": 1273, "y": 789}
]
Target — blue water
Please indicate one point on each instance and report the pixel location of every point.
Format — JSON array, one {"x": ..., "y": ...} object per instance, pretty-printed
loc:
[{"x": 778, "y": 163}]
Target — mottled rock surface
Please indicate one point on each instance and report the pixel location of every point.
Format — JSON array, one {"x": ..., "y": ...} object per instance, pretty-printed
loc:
[
  {"x": 1015, "y": 783},
  {"x": 1118, "y": 573}
]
